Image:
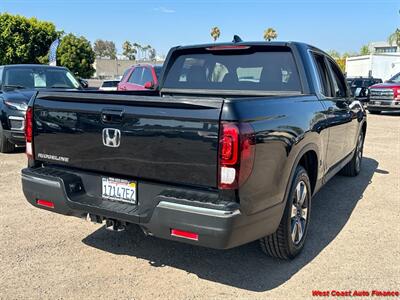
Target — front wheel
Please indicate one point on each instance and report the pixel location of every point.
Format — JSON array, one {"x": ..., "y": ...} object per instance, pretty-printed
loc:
[{"x": 288, "y": 240}]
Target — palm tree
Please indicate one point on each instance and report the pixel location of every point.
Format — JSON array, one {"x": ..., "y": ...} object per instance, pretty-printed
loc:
[
  {"x": 146, "y": 50},
  {"x": 139, "y": 49},
  {"x": 394, "y": 38},
  {"x": 270, "y": 34},
  {"x": 215, "y": 33}
]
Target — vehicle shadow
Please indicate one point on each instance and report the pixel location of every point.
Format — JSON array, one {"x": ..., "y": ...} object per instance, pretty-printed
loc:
[{"x": 246, "y": 267}]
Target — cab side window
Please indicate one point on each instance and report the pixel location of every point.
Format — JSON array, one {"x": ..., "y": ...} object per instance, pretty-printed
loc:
[
  {"x": 136, "y": 76},
  {"x": 147, "y": 76},
  {"x": 338, "y": 81},
  {"x": 323, "y": 74}
]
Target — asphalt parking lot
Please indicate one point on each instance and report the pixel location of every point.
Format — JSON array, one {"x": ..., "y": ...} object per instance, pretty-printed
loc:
[{"x": 353, "y": 244}]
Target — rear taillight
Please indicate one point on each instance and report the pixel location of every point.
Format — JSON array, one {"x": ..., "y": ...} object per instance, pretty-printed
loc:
[
  {"x": 29, "y": 131},
  {"x": 236, "y": 154}
]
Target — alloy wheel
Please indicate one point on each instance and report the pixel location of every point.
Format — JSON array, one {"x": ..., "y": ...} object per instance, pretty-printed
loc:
[{"x": 299, "y": 212}]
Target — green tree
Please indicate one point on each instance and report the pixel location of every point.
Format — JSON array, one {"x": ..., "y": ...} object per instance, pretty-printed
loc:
[
  {"x": 215, "y": 33},
  {"x": 270, "y": 34},
  {"x": 24, "y": 40},
  {"x": 76, "y": 54},
  {"x": 128, "y": 50},
  {"x": 349, "y": 54},
  {"x": 333, "y": 53},
  {"x": 394, "y": 38},
  {"x": 365, "y": 50},
  {"x": 105, "y": 49}
]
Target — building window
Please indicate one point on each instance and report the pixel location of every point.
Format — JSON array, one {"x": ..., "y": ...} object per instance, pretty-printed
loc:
[{"x": 385, "y": 49}]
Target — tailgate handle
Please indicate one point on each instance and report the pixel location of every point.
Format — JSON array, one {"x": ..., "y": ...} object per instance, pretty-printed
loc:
[{"x": 112, "y": 116}]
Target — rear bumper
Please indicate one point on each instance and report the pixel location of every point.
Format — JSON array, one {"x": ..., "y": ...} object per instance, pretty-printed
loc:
[{"x": 219, "y": 224}]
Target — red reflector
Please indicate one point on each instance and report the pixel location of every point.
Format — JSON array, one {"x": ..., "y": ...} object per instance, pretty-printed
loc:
[
  {"x": 185, "y": 234},
  {"x": 45, "y": 203}
]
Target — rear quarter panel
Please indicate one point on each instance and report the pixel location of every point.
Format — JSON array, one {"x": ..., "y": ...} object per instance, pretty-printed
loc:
[{"x": 285, "y": 128}]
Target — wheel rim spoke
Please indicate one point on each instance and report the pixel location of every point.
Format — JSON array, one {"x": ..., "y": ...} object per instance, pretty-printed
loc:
[
  {"x": 359, "y": 152},
  {"x": 294, "y": 211},
  {"x": 304, "y": 212},
  {"x": 294, "y": 229},
  {"x": 299, "y": 230},
  {"x": 298, "y": 193},
  {"x": 303, "y": 194}
]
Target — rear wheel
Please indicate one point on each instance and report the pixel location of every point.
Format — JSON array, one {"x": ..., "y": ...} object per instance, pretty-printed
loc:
[
  {"x": 288, "y": 240},
  {"x": 353, "y": 167},
  {"x": 375, "y": 112},
  {"x": 5, "y": 145}
]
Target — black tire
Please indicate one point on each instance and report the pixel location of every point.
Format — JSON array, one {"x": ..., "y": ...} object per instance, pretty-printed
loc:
[
  {"x": 353, "y": 167},
  {"x": 281, "y": 243},
  {"x": 5, "y": 145},
  {"x": 375, "y": 112}
]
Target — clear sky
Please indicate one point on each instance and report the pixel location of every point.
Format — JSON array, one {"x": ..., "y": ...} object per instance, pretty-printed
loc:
[{"x": 340, "y": 25}]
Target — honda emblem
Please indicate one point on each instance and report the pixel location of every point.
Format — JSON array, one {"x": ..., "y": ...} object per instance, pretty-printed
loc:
[{"x": 111, "y": 137}]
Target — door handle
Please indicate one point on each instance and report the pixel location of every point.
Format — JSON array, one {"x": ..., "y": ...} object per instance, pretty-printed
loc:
[{"x": 112, "y": 116}]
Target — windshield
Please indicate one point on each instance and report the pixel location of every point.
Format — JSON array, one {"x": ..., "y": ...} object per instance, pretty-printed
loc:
[
  {"x": 395, "y": 78},
  {"x": 229, "y": 70},
  {"x": 39, "y": 77}
]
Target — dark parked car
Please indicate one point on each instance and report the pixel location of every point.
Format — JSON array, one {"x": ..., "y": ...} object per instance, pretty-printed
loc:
[
  {"x": 242, "y": 138},
  {"x": 359, "y": 86},
  {"x": 18, "y": 83}
]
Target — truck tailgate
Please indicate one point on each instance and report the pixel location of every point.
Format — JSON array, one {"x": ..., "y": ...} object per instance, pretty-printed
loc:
[{"x": 172, "y": 140}]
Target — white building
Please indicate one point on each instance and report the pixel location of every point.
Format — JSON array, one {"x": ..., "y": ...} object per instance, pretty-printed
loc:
[{"x": 382, "y": 47}]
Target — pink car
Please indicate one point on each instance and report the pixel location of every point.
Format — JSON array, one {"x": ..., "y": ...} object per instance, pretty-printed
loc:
[{"x": 140, "y": 78}]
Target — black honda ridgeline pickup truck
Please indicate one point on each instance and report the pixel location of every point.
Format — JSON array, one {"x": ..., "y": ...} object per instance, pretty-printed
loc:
[{"x": 230, "y": 148}]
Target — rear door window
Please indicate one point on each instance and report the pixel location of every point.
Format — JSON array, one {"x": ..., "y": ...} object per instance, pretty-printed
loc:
[
  {"x": 136, "y": 76},
  {"x": 338, "y": 81},
  {"x": 323, "y": 74},
  {"x": 147, "y": 76}
]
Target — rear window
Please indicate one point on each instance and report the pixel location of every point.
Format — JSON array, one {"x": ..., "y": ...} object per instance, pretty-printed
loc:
[{"x": 229, "y": 70}]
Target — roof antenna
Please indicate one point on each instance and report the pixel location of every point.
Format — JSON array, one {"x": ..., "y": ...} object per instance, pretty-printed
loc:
[{"x": 236, "y": 39}]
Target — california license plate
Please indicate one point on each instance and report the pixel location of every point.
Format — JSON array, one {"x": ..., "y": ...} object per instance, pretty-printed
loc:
[{"x": 118, "y": 189}]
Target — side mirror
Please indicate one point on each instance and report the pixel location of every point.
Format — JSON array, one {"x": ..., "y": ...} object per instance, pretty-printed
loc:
[
  {"x": 149, "y": 85},
  {"x": 83, "y": 83}
]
